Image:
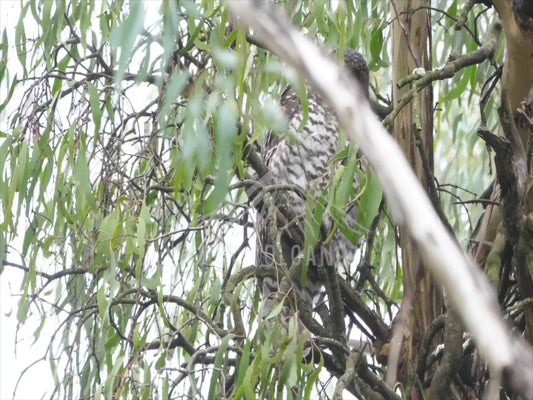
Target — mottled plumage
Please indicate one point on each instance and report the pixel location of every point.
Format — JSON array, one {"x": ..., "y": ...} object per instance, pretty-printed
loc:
[{"x": 305, "y": 160}]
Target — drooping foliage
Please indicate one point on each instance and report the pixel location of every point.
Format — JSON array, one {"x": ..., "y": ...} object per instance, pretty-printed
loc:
[{"x": 128, "y": 171}]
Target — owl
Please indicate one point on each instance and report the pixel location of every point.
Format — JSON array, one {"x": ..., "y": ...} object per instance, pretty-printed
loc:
[{"x": 303, "y": 160}]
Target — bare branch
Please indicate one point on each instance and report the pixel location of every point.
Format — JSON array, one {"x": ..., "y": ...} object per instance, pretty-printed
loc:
[{"x": 419, "y": 82}]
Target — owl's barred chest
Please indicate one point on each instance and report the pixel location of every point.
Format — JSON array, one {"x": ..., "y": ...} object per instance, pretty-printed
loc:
[{"x": 305, "y": 159}]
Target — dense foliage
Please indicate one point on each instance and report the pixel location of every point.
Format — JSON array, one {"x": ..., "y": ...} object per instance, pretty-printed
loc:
[{"x": 127, "y": 190}]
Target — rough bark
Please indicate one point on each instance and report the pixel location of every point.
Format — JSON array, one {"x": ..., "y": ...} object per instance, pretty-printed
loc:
[
  {"x": 413, "y": 129},
  {"x": 517, "y": 80}
]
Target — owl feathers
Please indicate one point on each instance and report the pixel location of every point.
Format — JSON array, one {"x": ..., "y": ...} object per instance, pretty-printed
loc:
[{"x": 304, "y": 161}]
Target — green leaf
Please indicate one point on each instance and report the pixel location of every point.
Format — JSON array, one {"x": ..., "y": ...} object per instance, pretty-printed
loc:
[
  {"x": 142, "y": 227},
  {"x": 155, "y": 281},
  {"x": 20, "y": 38},
  {"x": 28, "y": 237},
  {"x": 244, "y": 363},
  {"x": 165, "y": 388},
  {"x": 98, "y": 392},
  {"x": 94, "y": 101},
  {"x": 452, "y": 10},
  {"x": 275, "y": 311},
  {"x": 9, "y": 93},
  {"x": 215, "y": 387},
  {"x": 112, "y": 341},
  {"x": 313, "y": 377},
  {"x": 161, "y": 362},
  {"x": 81, "y": 174},
  {"x": 302, "y": 94},
  {"x": 321, "y": 18},
  {"x": 369, "y": 201},
  {"x": 376, "y": 42},
  {"x": 23, "y": 308},
  {"x": 340, "y": 21},
  {"x": 125, "y": 35},
  {"x": 287, "y": 374},
  {"x": 225, "y": 131},
  {"x": 102, "y": 301},
  {"x": 110, "y": 109},
  {"x": 315, "y": 208},
  {"x": 146, "y": 392},
  {"x": 216, "y": 292},
  {"x": 459, "y": 88},
  {"x": 177, "y": 83},
  {"x": 3, "y": 249},
  {"x": 21, "y": 168},
  {"x": 106, "y": 233},
  {"x": 345, "y": 189},
  {"x": 473, "y": 78},
  {"x": 113, "y": 374}
]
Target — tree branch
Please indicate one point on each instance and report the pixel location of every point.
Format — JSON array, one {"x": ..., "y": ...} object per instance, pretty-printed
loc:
[
  {"x": 419, "y": 82},
  {"x": 451, "y": 361}
]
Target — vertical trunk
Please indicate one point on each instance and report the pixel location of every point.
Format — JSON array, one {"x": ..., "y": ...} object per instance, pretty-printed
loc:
[
  {"x": 517, "y": 81},
  {"x": 411, "y": 49}
]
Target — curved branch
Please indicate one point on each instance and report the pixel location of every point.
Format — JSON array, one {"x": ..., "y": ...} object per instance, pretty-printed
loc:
[
  {"x": 451, "y": 361},
  {"x": 419, "y": 82},
  {"x": 436, "y": 325}
]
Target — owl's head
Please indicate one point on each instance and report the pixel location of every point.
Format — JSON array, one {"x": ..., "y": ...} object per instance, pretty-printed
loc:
[{"x": 356, "y": 63}]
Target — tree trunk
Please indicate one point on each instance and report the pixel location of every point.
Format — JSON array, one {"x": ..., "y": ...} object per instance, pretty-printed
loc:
[
  {"x": 413, "y": 128},
  {"x": 517, "y": 81}
]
